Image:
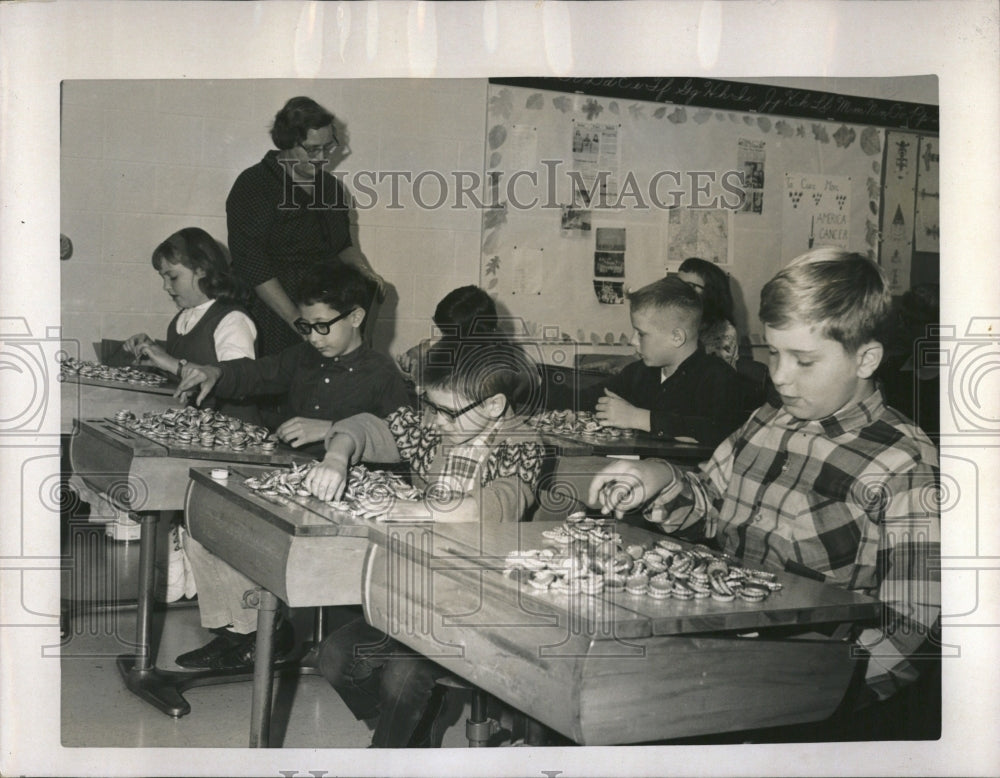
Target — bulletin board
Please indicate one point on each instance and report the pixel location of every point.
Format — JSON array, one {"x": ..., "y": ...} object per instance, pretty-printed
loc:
[{"x": 589, "y": 195}]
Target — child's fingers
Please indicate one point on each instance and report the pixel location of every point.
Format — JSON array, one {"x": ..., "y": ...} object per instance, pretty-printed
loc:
[{"x": 609, "y": 393}]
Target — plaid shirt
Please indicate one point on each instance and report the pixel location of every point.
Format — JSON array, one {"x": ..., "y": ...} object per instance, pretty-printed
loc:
[
  {"x": 851, "y": 499},
  {"x": 500, "y": 470}
]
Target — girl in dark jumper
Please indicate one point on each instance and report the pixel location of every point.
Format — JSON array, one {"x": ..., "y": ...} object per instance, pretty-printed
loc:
[{"x": 211, "y": 326}]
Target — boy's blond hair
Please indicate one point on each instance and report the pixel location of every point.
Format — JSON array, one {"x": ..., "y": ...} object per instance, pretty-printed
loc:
[
  {"x": 844, "y": 293},
  {"x": 669, "y": 294}
]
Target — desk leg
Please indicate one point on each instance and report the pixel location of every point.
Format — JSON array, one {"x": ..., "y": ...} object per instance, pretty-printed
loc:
[
  {"x": 139, "y": 671},
  {"x": 263, "y": 671}
]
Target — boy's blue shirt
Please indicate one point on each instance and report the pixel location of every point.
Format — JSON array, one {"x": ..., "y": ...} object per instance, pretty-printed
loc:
[{"x": 852, "y": 497}]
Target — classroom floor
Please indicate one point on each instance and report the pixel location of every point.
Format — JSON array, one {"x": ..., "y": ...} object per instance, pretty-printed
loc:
[{"x": 99, "y": 711}]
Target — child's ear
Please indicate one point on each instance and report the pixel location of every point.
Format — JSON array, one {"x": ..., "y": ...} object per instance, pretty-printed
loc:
[
  {"x": 357, "y": 317},
  {"x": 679, "y": 336},
  {"x": 496, "y": 406},
  {"x": 869, "y": 357}
]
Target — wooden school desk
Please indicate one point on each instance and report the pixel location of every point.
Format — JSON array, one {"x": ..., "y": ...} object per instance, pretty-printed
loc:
[
  {"x": 298, "y": 549},
  {"x": 145, "y": 477},
  {"x": 637, "y": 444},
  {"x": 612, "y": 668},
  {"x": 96, "y": 398}
]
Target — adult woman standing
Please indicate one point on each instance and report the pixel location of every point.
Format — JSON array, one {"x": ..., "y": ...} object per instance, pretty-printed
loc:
[{"x": 286, "y": 213}]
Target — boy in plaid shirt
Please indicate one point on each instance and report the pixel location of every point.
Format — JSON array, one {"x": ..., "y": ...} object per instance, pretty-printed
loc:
[
  {"x": 472, "y": 454},
  {"x": 833, "y": 484}
]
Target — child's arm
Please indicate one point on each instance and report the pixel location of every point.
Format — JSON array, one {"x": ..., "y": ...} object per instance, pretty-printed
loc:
[
  {"x": 615, "y": 411},
  {"x": 349, "y": 441},
  {"x": 299, "y": 430},
  {"x": 910, "y": 588},
  {"x": 235, "y": 337},
  {"x": 675, "y": 498},
  {"x": 157, "y": 356}
]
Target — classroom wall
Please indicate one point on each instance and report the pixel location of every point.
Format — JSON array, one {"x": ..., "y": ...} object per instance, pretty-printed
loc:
[{"x": 142, "y": 159}]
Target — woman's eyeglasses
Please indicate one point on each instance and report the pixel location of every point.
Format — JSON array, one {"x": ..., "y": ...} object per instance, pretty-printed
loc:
[
  {"x": 448, "y": 413},
  {"x": 317, "y": 151},
  {"x": 304, "y": 327}
]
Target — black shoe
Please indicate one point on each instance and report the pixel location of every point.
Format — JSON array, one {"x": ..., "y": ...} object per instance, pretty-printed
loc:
[
  {"x": 429, "y": 731},
  {"x": 241, "y": 655},
  {"x": 201, "y": 658}
]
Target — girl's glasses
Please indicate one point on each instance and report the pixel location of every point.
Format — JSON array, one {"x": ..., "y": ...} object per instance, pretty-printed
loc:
[
  {"x": 304, "y": 327},
  {"x": 448, "y": 413}
]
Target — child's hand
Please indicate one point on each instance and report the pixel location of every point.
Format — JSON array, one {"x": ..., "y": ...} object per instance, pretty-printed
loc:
[
  {"x": 134, "y": 343},
  {"x": 327, "y": 479},
  {"x": 299, "y": 430},
  {"x": 152, "y": 354},
  {"x": 613, "y": 411},
  {"x": 624, "y": 485},
  {"x": 193, "y": 375}
]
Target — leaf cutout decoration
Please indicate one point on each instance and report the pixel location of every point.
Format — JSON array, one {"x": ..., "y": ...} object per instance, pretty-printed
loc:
[
  {"x": 563, "y": 103},
  {"x": 659, "y": 112},
  {"x": 871, "y": 143},
  {"x": 495, "y": 158},
  {"x": 764, "y": 123},
  {"x": 535, "y": 102},
  {"x": 679, "y": 115},
  {"x": 502, "y": 103},
  {"x": 820, "y": 134},
  {"x": 613, "y": 107},
  {"x": 497, "y": 136}
]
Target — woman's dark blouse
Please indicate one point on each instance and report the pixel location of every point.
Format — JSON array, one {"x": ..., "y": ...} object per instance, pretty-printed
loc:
[{"x": 277, "y": 229}]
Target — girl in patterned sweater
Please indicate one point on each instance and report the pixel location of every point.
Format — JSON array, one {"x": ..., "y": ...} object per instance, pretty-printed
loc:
[{"x": 470, "y": 451}]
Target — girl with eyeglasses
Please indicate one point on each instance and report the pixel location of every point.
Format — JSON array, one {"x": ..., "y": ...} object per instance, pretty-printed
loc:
[
  {"x": 287, "y": 212},
  {"x": 470, "y": 451},
  {"x": 329, "y": 375}
]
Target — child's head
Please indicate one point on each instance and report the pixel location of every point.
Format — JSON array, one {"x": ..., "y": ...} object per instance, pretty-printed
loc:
[
  {"x": 195, "y": 269},
  {"x": 333, "y": 301},
  {"x": 665, "y": 318},
  {"x": 712, "y": 283},
  {"x": 469, "y": 386},
  {"x": 825, "y": 318},
  {"x": 466, "y": 311}
]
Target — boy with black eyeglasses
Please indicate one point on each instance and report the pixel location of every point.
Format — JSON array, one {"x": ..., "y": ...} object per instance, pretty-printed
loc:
[{"x": 330, "y": 376}]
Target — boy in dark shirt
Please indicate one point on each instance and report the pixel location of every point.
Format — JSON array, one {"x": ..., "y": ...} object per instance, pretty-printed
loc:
[
  {"x": 675, "y": 390},
  {"x": 330, "y": 377}
]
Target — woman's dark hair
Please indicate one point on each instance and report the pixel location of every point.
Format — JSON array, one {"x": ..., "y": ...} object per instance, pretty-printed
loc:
[
  {"x": 482, "y": 368},
  {"x": 717, "y": 297},
  {"x": 466, "y": 311},
  {"x": 339, "y": 286},
  {"x": 295, "y": 119},
  {"x": 197, "y": 250}
]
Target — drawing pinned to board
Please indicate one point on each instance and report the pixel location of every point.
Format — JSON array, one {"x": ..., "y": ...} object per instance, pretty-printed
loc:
[
  {"x": 750, "y": 158},
  {"x": 696, "y": 232},
  {"x": 527, "y": 270},
  {"x": 610, "y": 292},
  {"x": 817, "y": 213},
  {"x": 926, "y": 230},
  {"x": 575, "y": 220}
]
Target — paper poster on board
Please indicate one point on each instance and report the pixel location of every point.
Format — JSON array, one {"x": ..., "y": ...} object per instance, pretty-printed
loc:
[
  {"x": 817, "y": 212},
  {"x": 926, "y": 230},
  {"x": 596, "y": 163},
  {"x": 697, "y": 232},
  {"x": 898, "y": 208},
  {"x": 750, "y": 161}
]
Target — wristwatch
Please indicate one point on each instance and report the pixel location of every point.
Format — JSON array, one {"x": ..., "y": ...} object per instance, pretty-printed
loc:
[{"x": 180, "y": 366}]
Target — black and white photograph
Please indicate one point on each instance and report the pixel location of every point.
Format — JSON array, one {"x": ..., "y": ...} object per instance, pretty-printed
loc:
[{"x": 309, "y": 459}]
